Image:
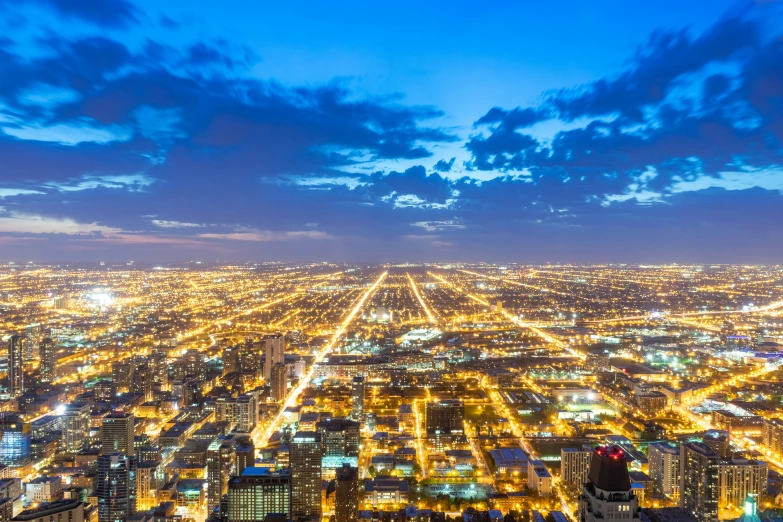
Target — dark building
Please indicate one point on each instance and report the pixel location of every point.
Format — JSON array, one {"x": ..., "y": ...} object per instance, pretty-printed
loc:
[
  {"x": 115, "y": 487},
  {"x": 357, "y": 399},
  {"x": 607, "y": 493},
  {"x": 117, "y": 430},
  {"x": 305, "y": 457},
  {"x": 340, "y": 437},
  {"x": 446, "y": 416},
  {"x": 48, "y": 367},
  {"x": 16, "y": 365},
  {"x": 699, "y": 481},
  {"x": 346, "y": 494}
]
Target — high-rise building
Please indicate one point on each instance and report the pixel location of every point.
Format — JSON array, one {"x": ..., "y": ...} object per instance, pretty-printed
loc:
[
  {"x": 446, "y": 416},
  {"x": 221, "y": 465},
  {"x": 32, "y": 337},
  {"x": 159, "y": 368},
  {"x": 15, "y": 442},
  {"x": 274, "y": 352},
  {"x": 738, "y": 478},
  {"x": 115, "y": 487},
  {"x": 357, "y": 399},
  {"x": 699, "y": 481},
  {"x": 279, "y": 382},
  {"x": 231, "y": 359},
  {"x": 76, "y": 426},
  {"x": 48, "y": 365},
  {"x": 607, "y": 494},
  {"x": 346, "y": 494},
  {"x": 718, "y": 441},
  {"x": 247, "y": 412},
  {"x": 148, "y": 479},
  {"x": 305, "y": 457},
  {"x": 16, "y": 365},
  {"x": 122, "y": 374},
  {"x": 258, "y": 492},
  {"x": 772, "y": 436},
  {"x": 68, "y": 509},
  {"x": 575, "y": 464},
  {"x": 664, "y": 468},
  {"x": 117, "y": 430}
]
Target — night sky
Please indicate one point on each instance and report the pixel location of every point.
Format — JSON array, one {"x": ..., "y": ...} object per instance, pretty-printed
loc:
[{"x": 566, "y": 131}]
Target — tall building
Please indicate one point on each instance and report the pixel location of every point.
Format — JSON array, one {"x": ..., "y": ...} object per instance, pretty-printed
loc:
[
  {"x": 115, "y": 487},
  {"x": 340, "y": 437},
  {"x": 245, "y": 452},
  {"x": 699, "y": 481},
  {"x": 738, "y": 478},
  {"x": 258, "y": 492},
  {"x": 357, "y": 398},
  {"x": 48, "y": 365},
  {"x": 718, "y": 441},
  {"x": 446, "y": 416},
  {"x": 575, "y": 464},
  {"x": 76, "y": 426},
  {"x": 32, "y": 344},
  {"x": 69, "y": 509},
  {"x": 15, "y": 442},
  {"x": 772, "y": 436},
  {"x": 279, "y": 382},
  {"x": 247, "y": 412},
  {"x": 305, "y": 457},
  {"x": 664, "y": 468},
  {"x": 16, "y": 365},
  {"x": 231, "y": 359},
  {"x": 607, "y": 494},
  {"x": 346, "y": 494},
  {"x": 221, "y": 465},
  {"x": 117, "y": 430},
  {"x": 274, "y": 352},
  {"x": 148, "y": 479}
]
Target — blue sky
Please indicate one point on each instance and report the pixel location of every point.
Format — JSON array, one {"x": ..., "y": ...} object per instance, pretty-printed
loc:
[{"x": 423, "y": 131}]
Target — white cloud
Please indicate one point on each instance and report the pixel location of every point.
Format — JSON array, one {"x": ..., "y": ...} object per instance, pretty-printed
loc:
[
  {"x": 131, "y": 182},
  {"x": 80, "y": 131},
  {"x": 10, "y": 192},
  {"x": 162, "y": 223},
  {"x": 20, "y": 223},
  {"x": 434, "y": 226},
  {"x": 268, "y": 235},
  {"x": 767, "y": 179}
]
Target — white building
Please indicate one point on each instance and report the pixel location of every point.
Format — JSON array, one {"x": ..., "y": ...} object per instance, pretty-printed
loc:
[
  {"x": 539, "y": 480},
  {"x": 664, "y": 468}
]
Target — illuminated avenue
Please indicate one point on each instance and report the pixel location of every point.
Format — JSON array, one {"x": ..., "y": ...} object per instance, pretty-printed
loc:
[{"x": 388, "y": 392}]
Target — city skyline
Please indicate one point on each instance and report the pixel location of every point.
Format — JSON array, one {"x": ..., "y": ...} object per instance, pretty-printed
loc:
[{"x": 531, "y": 133}]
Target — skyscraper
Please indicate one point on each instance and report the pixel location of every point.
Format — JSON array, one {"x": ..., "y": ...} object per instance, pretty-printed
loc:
[
  {"x": 274, "y": 351},
  {"x": 48, "y": 366},
  {"x": 346, "y": 494},
  {"x": 246, "y": 412},
  {"x": 76, "y": 426},
  {"x": 117, "y": 430},
  {"x": 738, "y": 478},
  {"x": 258, "y": 492},
  {"x": 246, "y": 453},
  {"x": 15, "y": 442},
  {"x": 115, "y": 487},
  {"x": 340, "y": 437},
  {"x": 279, "y": 382},
  {"x": 607, "y": 494},
  {"x": 664, "y": 467},
  {"x": 699, "y": 481},
  {"x": 357, "y": 399},
  {"x": 32, "y": 335},
  {"x": 306, "y": 453},
  {"x": 221, "y": 464},
  {"x": 16, "y": 365}
]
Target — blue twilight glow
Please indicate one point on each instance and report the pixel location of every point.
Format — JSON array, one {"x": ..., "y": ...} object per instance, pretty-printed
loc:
[{"x": 525, "y": 131}]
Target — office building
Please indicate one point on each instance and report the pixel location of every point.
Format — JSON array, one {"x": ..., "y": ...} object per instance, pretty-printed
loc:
[
  {"x": 117, "y": 430},
  {"x": 274, "y": 352},
  {"x": 357, "y": 399},
  {"x": 115, "y": 487},
  {"x": 305, "y": 457},
  {"x": 257, "y": 493},
  {"x": 245, "y": 454},
  {"x": 15, "y": 441},
  {"x": 32, "y": 341},
  {"x": 149, "y": 477},
  {"x": 718, "y": 441},
  {"x": 738, "y": 478},
  {"x": 15, "y": 365},
  {"x": 231, "y": 360},
  {"x": 664, "y": 468},
  {"x": 340, "y": 437},
  {"x": 75, "y": 426},
  {"x": 278, "y": 384},
  {"x": 445, "y": 416},
  {"x": 699, "y": 481},
  {"x": 772, "y": 436},
  {"x": 44, "y": 489},
  {"x": 607, "y": 494},
  {"x": 221, "y": 465},
  {"x": 48, "y": 367},
  {"x": 574, "y": 465},
  {"x": 246, "y": 412},
  {"x": 346, "y": 494}
]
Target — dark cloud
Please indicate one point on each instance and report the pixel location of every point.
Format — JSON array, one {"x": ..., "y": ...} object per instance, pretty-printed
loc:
[
  {"x": 105, "y": 13},
  {"x": 444, "y": 166}
]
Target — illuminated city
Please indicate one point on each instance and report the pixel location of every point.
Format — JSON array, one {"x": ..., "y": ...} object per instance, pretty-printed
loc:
[
  {"x": 441, "y": 387},
  {"x": 373, "y": 261}
]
